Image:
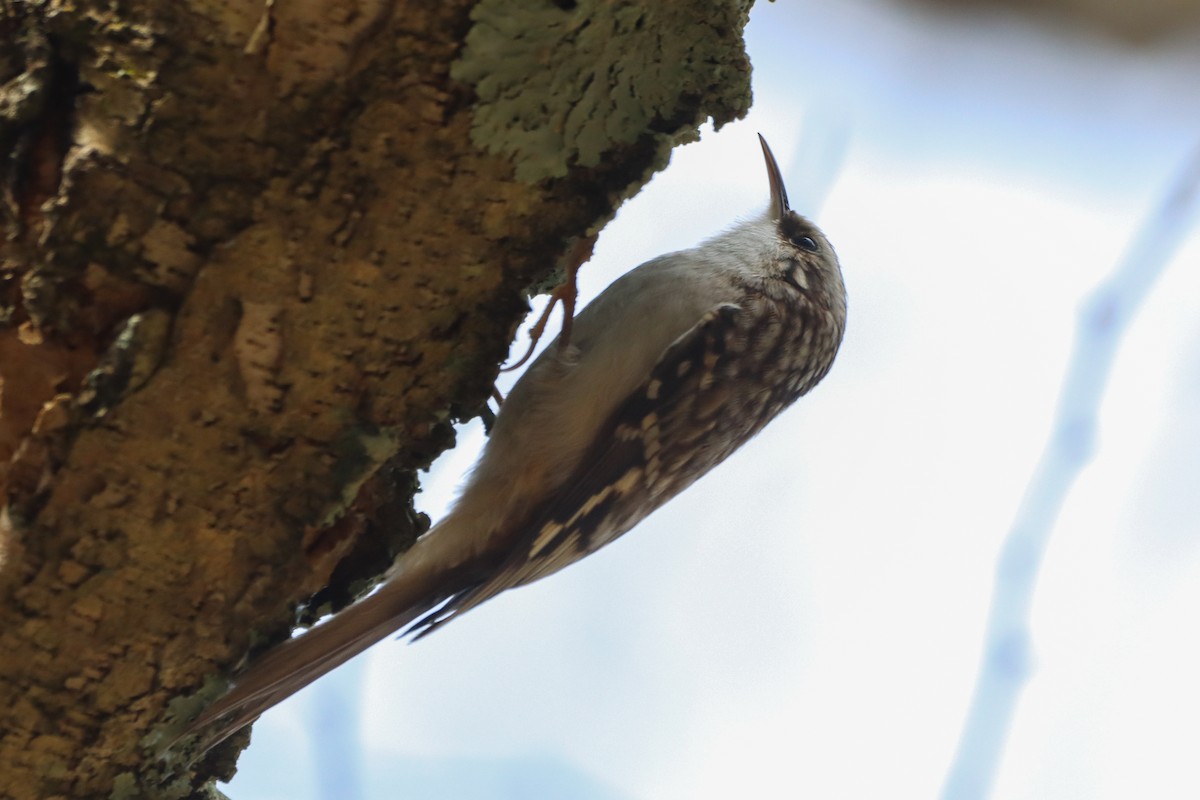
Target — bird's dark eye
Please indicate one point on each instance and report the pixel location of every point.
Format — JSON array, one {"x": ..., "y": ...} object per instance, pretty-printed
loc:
[{"x": 806, "y": 243}]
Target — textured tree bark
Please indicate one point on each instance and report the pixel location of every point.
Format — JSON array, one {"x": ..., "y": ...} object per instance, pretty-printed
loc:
[{"x": 257, "y": 259}]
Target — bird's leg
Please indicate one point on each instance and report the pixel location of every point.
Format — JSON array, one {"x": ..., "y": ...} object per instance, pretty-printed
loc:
[
  {"x": 566, "y": 293},
  {"x": 486, "y": 415}
]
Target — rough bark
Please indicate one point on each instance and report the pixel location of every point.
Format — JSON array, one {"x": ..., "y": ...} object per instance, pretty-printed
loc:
[{"x": 257, "y": 259}]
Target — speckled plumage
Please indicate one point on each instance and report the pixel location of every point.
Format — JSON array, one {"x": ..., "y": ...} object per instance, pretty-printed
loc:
[{"x": 671, "y": 369}]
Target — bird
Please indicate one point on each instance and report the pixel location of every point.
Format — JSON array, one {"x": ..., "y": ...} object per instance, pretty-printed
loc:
[{"x": 667, "y": 372}]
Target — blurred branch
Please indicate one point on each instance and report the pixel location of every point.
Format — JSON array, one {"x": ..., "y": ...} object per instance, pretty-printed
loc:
[
  {"x": 820, "y": 158},
  {"x": 1142, "y": 23},
  {"x": 335, "y": 735},
  {"x": 1103, "y": 319}
]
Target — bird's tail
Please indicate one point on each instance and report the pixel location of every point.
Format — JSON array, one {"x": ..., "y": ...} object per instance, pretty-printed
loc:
[{"x": 294, "y": 664}]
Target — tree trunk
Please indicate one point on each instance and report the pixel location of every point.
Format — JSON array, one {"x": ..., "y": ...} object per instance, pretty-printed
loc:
[{"x": 256, "y": 261}]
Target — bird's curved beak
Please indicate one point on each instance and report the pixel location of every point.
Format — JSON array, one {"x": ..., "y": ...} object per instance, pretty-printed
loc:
[{"x": 779, "y": 201}]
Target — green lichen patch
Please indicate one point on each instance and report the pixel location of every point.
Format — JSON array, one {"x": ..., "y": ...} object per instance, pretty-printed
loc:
[{"x": 561, "y": 83}]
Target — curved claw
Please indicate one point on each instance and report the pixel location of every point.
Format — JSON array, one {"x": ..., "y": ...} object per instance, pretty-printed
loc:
[
  {"x": 560, "y": 294},
  {"x": 566, "y": 293}
]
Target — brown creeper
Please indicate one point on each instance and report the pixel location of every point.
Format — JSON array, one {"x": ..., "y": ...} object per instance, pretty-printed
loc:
[{"x": 671, "y": 369}]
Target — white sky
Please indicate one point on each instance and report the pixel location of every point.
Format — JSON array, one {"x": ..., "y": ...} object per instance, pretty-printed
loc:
[{"x": 807, "y": 620}]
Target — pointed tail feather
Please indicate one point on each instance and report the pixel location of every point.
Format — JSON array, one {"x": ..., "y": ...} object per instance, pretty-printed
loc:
[{"x": 294, "y": 664}]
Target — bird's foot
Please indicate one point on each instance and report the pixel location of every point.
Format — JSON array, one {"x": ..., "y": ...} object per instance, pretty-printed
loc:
[{"x": 566, "y": 293}]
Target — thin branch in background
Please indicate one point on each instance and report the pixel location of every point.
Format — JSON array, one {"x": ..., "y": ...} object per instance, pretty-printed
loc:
[
  {"x": 820, "y": 158},
  {"x": 335, "y": 709},
  {"x": 1103, "y": 320}
]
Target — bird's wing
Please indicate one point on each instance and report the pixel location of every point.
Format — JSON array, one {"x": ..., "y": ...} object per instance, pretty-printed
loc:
[
  {"x": 638, "y": 460},
  {"x": 652, "y": 447}
]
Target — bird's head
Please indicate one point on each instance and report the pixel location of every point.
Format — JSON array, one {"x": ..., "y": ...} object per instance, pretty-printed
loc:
[{"x": 800, "y": 255}]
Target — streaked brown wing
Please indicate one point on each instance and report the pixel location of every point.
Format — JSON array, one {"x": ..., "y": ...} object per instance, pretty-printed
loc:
[{"x": 651, "y": 449}]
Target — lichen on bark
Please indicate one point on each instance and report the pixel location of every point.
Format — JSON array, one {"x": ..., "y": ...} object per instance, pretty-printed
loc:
[{"x": 561, "y": 84}]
